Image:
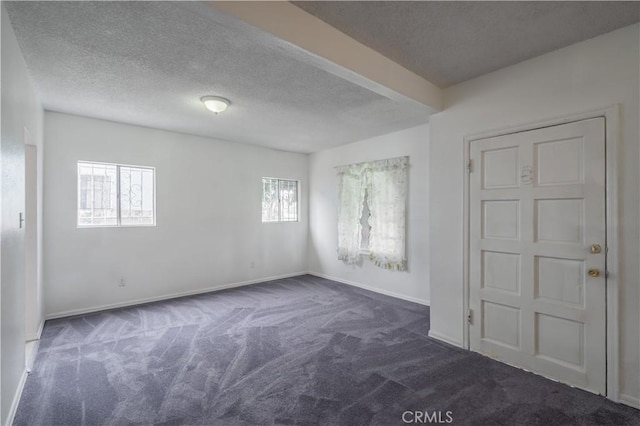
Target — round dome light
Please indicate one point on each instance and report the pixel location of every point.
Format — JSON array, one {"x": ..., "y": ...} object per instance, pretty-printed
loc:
[{"x": 215, "y": 104}]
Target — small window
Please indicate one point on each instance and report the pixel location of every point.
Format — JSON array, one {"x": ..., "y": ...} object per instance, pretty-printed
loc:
[
  {"x": 115, "y": 195},
  {"x": 279, "y": 200}
]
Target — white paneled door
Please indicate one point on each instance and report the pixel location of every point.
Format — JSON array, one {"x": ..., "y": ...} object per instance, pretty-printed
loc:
[{"x": 538, "y": 251}]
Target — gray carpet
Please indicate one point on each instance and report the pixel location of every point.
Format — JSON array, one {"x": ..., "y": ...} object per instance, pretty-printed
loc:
[{"x": 297, "y": 351}]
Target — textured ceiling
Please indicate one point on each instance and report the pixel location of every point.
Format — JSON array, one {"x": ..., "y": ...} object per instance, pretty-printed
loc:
[
  {"x": 450, "y": 42},
  {"x": 149, "y": 63}
]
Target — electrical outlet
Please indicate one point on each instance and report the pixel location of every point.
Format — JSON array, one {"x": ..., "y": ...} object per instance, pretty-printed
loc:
[
  {"x": 122, "y": 283},
  {"x": 252, "y": 265}
]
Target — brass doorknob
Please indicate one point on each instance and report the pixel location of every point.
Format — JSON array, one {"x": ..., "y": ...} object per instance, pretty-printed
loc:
[
  {"x": 595, "y": 248},
  {"x": 593, "y": 272}
]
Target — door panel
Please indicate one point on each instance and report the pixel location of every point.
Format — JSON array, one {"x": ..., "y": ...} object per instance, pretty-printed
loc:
[
  {"x": 537, "y": 204},
  {"x": 500, "y": 219}
]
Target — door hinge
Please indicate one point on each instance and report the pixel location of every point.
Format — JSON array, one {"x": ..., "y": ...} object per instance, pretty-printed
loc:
[
  {"x": 470, "y": 316},
  {"x": 470, "y": 166}
]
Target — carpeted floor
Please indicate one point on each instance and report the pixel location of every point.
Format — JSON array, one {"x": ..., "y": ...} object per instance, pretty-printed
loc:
[{"x": 297, "y": 351}]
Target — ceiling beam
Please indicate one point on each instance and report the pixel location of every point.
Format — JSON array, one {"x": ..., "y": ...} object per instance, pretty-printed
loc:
[{"x": 327, "y": 48}]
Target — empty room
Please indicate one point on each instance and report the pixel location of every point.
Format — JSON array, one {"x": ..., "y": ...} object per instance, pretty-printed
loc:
[{"x": 320, "y": 213}]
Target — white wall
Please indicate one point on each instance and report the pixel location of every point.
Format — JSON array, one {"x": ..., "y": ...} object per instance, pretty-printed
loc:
[
  {"x": 323, "y": 241},
  {"x": 20, "y": 109},
  {"x": 588, "y": 75},
  {"x": 209, "y": 227}
]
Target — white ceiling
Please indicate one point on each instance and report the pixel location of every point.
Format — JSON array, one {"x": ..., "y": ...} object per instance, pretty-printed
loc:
[
  {"x": 148, "y": 63},
  {"x": 447, "y": 42}
]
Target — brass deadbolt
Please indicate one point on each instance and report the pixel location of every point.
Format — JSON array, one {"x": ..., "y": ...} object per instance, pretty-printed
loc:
[{"x": 595, "y": 248}]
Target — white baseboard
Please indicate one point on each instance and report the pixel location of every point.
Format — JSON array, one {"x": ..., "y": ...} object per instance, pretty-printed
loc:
[
  {"x": 446, "y": 339},
  {"x": 30, "y": 357},
  {"x": 98, "y": 308},
  {"x": 374, "y": 289},
  {"x": 36, "y": 336},
  {"x": 629, "y": 400},
  {"x": 82, "y": 311},
  {"x": 16, "y": 399}
]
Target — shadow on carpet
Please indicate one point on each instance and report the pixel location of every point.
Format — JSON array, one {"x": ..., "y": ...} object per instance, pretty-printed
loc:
[{"x": 296, "y": 351}]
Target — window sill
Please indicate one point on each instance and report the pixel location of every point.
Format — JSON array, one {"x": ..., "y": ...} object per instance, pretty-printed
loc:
[{"x": 114, "y": 226}]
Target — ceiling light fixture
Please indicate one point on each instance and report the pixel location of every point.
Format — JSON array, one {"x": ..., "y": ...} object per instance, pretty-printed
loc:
[{"x": 215, "y": 104}]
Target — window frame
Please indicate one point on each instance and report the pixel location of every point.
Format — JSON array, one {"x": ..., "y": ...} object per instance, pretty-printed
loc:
[
  {"x": 297, "y": 182},
  {"x": 118, "y": 196}
]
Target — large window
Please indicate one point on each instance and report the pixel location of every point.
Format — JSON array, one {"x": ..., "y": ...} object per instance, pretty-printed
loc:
[
  {"x": 279, "y": 200},
  {"x": 115, "y": 195},
  {"x": 372, "y": 212}
]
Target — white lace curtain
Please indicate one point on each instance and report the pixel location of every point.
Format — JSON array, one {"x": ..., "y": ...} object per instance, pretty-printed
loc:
[{"x": 385, "y": 182}]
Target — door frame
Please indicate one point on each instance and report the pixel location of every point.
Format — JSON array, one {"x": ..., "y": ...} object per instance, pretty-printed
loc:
[
  {"x": 611, "y": 115},
  {"x": 32, "y": 255}
]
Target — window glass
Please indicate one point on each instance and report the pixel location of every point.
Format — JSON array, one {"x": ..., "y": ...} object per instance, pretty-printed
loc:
[
  {"x": 288, "y": 200},
  {"x": 97, "y": 204},
  {"x": 115, "y": 195},
  {"x": 136, "y": 196},
  {"x": 270, "y": 200},
  {"x": 279, "y": 200}
]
